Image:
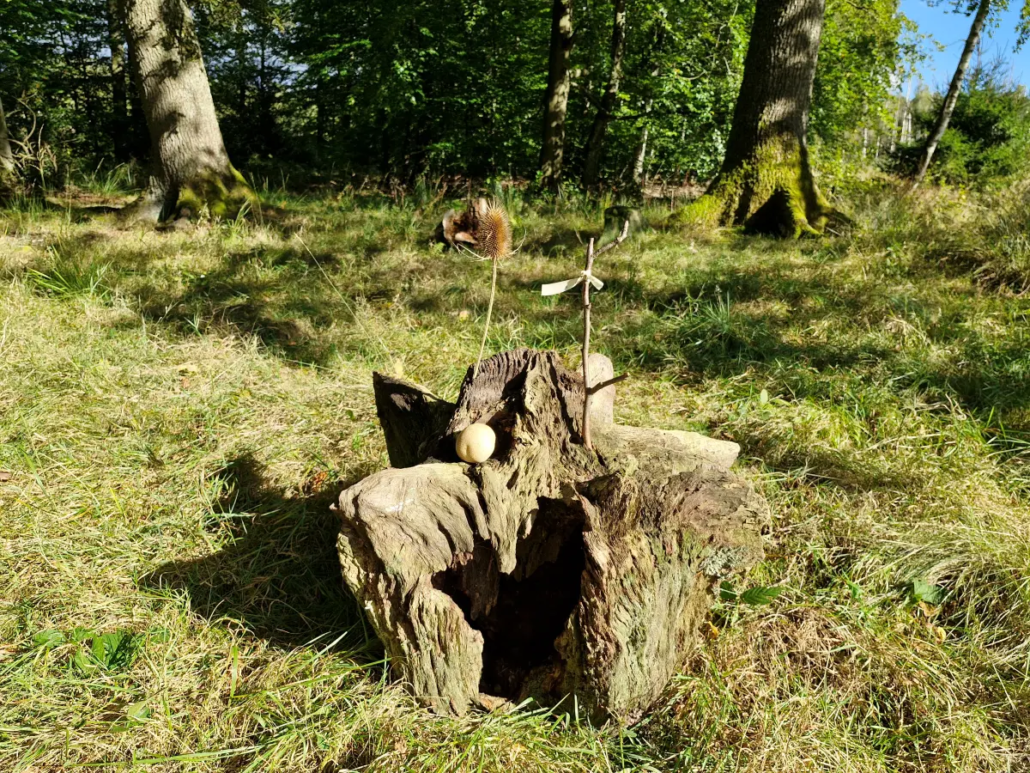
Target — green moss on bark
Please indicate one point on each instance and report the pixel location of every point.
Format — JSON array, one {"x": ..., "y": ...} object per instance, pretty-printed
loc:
[
  {"x": 771, "y": 193},
  {"x": 221, "y": 196}
]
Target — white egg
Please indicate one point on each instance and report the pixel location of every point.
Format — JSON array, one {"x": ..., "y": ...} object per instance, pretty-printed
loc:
[{"x": 475, "y": 443}]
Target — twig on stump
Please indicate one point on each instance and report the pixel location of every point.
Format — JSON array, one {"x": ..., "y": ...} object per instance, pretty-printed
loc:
[{"x": 588, "y": 273}]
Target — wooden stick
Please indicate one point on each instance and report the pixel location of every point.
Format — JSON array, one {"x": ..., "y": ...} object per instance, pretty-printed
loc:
[
  {"x": 613, "y": 244},
  {"x": 605, "y": 384},
  {"x": 589, "y": 391},
  {"x": 586, "y": 345}
]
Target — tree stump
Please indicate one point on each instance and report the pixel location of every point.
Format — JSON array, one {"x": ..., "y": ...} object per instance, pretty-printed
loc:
[
  {"x": 549, "y": 571},
  {"x": 614, "y": 219}
]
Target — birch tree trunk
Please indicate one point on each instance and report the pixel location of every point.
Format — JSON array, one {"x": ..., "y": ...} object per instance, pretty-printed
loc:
[
  {"x": 595, "y": 145},
  {"x": 559, "y": 82},
  {"x": 948, "y": 107},
  {"x": 766, "y": 182},
  {"x": 6, "y": 158},
  {"x": 192, "y": 169},
  {"x": 641, "y": 153},
  {"x": 6, "y": 154}
]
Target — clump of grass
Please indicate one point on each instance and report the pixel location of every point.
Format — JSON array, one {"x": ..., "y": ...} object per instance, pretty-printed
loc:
[{"x": 63, "y": 274}]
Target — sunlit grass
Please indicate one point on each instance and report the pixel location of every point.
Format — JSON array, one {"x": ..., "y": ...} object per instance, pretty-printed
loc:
[{"x": 178, "y": 409}]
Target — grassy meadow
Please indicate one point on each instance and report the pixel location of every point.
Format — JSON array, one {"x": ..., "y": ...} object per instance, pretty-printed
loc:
[{"x": 178, "y": 410}]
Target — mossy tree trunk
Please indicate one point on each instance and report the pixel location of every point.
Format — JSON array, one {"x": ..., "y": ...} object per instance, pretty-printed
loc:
[
  {"x": 766, "y": 181},
  {"x": 192, "y": 170},
  {"x": 599, "y": 130},
  {"x": 559, "y": 82},
  {"x": 948, "y": 106}
]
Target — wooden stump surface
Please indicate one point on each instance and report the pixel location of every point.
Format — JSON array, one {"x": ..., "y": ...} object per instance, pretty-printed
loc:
[{"x": 548, "y": 571}]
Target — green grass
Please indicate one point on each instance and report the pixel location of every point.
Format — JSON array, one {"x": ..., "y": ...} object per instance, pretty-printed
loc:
[{"x": 178, "y": 410}]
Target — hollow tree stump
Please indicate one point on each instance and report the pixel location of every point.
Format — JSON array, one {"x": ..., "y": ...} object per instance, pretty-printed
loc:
[{"x": 548, "y": 571}]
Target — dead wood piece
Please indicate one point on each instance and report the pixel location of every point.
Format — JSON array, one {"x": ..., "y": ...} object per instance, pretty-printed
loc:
[
  {"x": 410, "y": 416},
  {"x": 549, "y": 571}
]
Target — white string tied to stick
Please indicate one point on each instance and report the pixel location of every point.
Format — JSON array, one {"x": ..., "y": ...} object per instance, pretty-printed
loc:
[{"x": 555, "y": 288}]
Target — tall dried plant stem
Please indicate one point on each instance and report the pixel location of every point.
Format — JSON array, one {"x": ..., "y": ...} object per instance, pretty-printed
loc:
[{"x": 489, "y": 313}]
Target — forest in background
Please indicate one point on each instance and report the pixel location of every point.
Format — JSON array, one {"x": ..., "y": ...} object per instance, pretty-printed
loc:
[{"x": 332, "y": 92}]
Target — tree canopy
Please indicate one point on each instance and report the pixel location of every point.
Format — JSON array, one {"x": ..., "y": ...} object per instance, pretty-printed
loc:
[{"x": 329, "y": 89}]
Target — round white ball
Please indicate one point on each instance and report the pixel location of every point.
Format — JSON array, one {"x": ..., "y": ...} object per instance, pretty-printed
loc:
[{"x": 475, "y": 443}]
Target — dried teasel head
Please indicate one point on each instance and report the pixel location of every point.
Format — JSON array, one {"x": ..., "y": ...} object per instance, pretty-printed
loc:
[
  {"x": 493, "y": 233},
  {"x": 483, "y": 227}
]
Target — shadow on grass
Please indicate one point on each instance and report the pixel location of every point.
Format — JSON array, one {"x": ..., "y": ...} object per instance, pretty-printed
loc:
[
  {"x": 279, "y": 578},
  {"x": 802, "y": 322}
]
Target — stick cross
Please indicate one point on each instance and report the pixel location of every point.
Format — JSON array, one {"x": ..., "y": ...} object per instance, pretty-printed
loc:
[{"x": 588, "y": 280}]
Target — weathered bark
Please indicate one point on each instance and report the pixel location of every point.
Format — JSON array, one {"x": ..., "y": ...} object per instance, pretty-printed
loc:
[
  {"x": 559, "y": 81},
  {"x": 599, "y": 130},
  {"x": 549, "y": 571},
  {"x": 766, "y": 182},
  {"x": 948, "y": 106},
  {"x": 193, "y": 172}
]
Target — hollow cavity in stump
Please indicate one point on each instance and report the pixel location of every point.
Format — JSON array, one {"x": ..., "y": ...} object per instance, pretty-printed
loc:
[{"x": 550, "y": 570}]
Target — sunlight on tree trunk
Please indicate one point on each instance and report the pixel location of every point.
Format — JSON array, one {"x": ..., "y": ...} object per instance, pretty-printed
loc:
[
  {"x": 6, "y": 158},
  {"x": 948, "y": 106},
  {"x": 766, "y": 182},
  {"x": 595, "y": 145},
  {"x": 640, "y": 154},
  {"x": 6, "y": 154},
  {"x": 559, "y": 82},
  {"x": 192, "y": 169}
]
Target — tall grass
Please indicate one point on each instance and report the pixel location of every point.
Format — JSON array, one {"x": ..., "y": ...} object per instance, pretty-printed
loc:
[{"x": 180, "y": 409}]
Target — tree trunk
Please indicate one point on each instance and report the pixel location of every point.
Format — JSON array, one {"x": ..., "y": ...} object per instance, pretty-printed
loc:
[
  {"x": 7, "y": 183},
  {"x": 550, "y": 571},
  {"x": 640, "y": 154},
  {"x": 595, "y": 145},
  {"x": 559, "y": 82},
  {"x": 948, "y": 106},
  {"x": 765, "y": 182},
  {"x": 6, "y": 154},
  {"x": 192, "y": 170}
]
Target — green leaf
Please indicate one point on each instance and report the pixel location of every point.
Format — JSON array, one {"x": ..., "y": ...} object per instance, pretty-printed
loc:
[
  {"x": 856, "y": 590},
  {"x": 726, "y": 591},
  {"x": 84, "y": 663},
  {"x": 924, "y": 591},
  {"x": 108, "y": 652},
  {"x": 47, "y": 639},
  {"x": 137, "y": 711},
  {"x": 81, "y": 634},
  {"x": 760, "y": 595}
]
